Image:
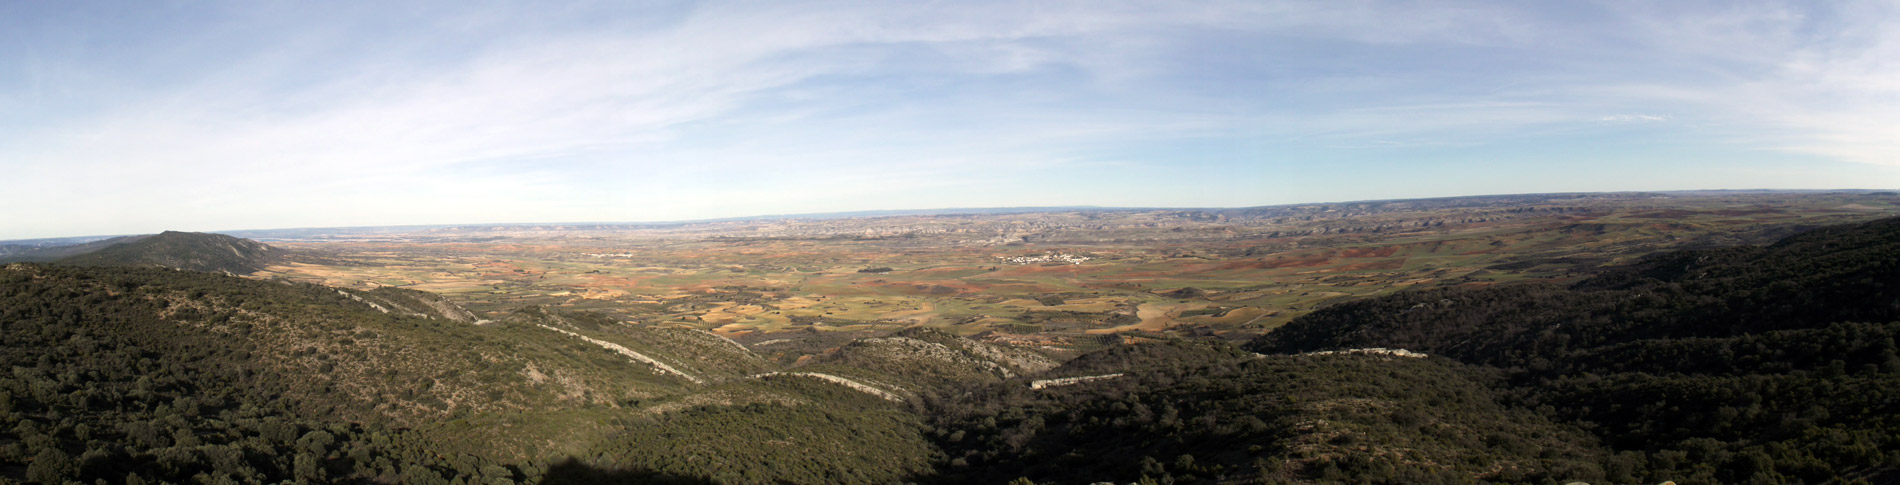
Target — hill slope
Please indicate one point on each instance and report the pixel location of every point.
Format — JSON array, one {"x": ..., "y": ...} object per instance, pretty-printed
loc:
[
  {"x": 101, "y": 349},
  {"x": 920, "y": 360},
  {"x": 1808, "y": 281},
  {"x": 189, "y": 251},
  {"x": 1760, "y": 364},
  {"x": 10, "y": 253},
  {"x": 1203, "y": 412},
  {"x": 173, "y": 375}
]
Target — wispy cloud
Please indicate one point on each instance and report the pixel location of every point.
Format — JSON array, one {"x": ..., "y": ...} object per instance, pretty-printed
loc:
[
  {"x": 1812, "y": 78},
  {"x": 221, "y": 116},
  {"x": 1633, "y": 118}
]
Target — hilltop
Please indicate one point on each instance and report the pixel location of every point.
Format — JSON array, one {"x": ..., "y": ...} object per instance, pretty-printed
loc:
[{"x": 190, "y": 251}]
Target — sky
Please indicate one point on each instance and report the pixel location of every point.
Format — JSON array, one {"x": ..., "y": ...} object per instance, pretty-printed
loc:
[{"x": 138, "y": 117}]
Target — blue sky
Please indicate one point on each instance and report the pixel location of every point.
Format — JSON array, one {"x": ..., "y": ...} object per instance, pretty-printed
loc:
[{"x": 136, "y": 117}]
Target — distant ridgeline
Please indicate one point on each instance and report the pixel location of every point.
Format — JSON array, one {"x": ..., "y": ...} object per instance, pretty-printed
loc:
[
  {"x": 1771, "y": 364},
  {"x": 47, "y": 251},
  {"x": 190, "y": 251}
]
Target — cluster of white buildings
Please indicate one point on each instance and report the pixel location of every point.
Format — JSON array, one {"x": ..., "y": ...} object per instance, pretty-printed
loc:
[
  {"x": 1048, "y": 258},
  {"x": 1373, "y": 351},
  {"x": 608, "y": 255}
]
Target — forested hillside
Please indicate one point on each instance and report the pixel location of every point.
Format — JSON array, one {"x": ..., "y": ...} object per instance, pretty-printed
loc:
[
  {"x": 114, "y": 379},
  {"x": 1759, "y": 364},
  {"x": 141, "y": 373},
  {"x": 1236, "y": 418},
  {"x": 190, "y": 251}
]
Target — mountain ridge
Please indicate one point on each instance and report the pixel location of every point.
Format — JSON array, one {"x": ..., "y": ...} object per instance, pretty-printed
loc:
[{"x": 189, "y": 251}]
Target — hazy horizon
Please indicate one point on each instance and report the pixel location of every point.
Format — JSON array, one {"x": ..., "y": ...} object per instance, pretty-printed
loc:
[
  {"x": 922, "y": 211},
  {"x": 137, "y": 118}
]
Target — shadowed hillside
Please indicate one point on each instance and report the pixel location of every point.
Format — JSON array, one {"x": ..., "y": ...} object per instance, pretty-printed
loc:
[
  {"x": 1771, "y": 364},
  {"x": 1202, "y": 412}
]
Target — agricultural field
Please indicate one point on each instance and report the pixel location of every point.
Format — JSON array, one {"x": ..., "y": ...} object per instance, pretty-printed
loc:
[{"x": 1059, "y": 279}]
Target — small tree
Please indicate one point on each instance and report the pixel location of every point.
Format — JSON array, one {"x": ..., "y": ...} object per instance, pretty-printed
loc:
[{"x": 50, "y": 466}]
